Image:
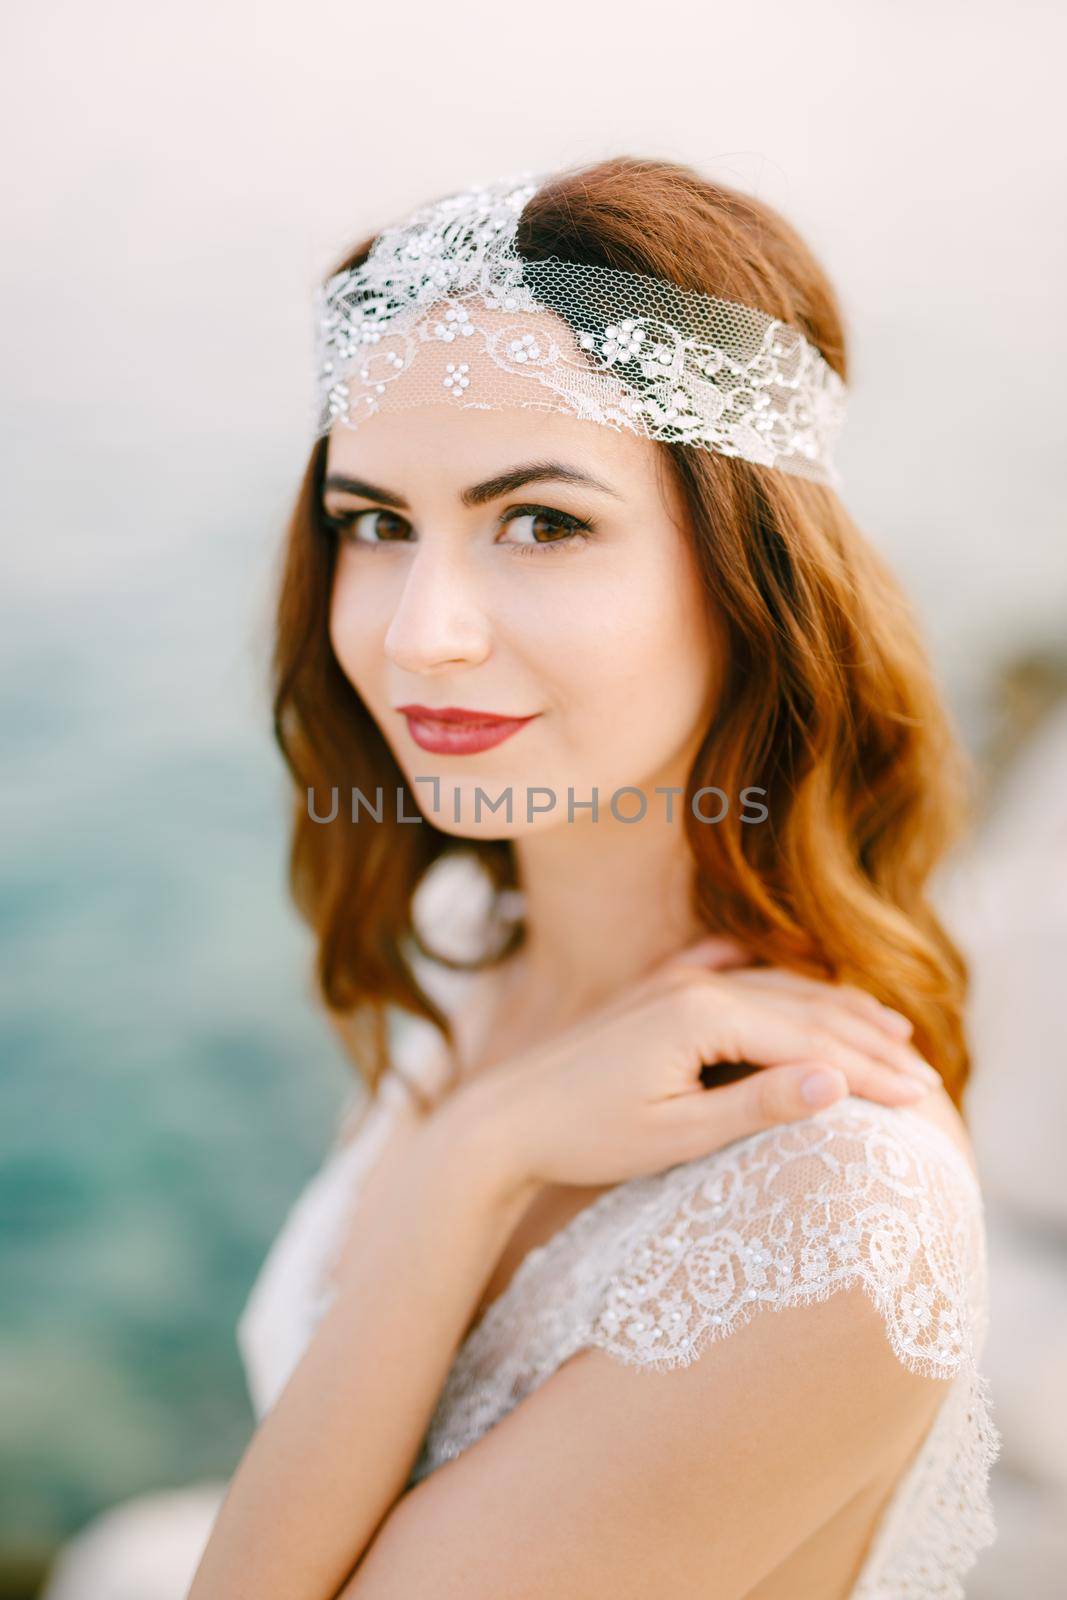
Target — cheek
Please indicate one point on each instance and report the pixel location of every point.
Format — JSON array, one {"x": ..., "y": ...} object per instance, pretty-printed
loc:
[
  {"x": 640, "y": 651},
  {"x": 355, "y": 633}
]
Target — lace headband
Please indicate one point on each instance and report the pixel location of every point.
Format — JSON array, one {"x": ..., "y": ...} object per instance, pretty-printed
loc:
[{"x": 445, "y": 311}]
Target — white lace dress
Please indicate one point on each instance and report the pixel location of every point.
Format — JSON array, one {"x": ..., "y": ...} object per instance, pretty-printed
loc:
[{"x": 656, "y": 1267}]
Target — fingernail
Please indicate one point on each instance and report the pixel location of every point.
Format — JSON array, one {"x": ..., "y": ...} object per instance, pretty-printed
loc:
[
  {"x": 820, "y": 1088},
  {"x": 923, "y": 1072},
  {"x": 898, "y": 1021}
]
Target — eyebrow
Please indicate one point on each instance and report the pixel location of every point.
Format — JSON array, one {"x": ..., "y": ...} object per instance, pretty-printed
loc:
[{"x": 479, "y": 494}]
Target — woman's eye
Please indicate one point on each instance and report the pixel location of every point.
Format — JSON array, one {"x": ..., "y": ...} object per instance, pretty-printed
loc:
[
  {"x": 537, "y": 528},
  {"x": 541, "y": 528},
  {"x": 359, "y": 527}
]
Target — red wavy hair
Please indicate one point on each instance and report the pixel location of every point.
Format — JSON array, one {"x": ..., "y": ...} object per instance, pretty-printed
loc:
[{"x": 828, "y": 702}]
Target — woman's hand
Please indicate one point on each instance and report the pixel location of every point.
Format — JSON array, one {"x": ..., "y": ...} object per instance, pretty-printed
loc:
[{"x": 620, "y": 1094}]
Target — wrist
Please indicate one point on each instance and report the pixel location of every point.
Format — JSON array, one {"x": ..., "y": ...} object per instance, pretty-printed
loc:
[{"x": 474, "y": 1131}]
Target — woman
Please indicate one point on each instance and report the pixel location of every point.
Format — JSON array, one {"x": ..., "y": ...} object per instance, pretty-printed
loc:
[{"x": 648, "y": 682}]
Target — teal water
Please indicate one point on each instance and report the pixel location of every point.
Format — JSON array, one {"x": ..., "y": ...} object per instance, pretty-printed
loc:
[{"x": 167, "y": 1083}]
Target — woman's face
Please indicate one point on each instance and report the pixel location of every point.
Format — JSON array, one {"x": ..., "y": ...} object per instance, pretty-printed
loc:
[{"x": 528, "y": 565}]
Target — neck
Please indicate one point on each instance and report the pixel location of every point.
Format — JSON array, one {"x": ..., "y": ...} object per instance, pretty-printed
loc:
[{"x": 604, "y": 902}]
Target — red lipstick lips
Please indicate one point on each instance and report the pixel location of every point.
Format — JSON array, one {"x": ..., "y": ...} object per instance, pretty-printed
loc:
[{"x": 458, "y": 731}]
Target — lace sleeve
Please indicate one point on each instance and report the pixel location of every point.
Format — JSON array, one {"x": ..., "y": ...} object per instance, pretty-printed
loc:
[
  {"x": 859, "y": 1194},
  {"x": 851, "y": 1195}
]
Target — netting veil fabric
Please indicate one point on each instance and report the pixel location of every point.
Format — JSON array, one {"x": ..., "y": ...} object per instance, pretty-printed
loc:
[{"x": 445, "y": 311}]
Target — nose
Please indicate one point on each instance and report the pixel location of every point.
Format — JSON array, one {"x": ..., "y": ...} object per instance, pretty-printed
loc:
[{"x": 438, "y": 621}]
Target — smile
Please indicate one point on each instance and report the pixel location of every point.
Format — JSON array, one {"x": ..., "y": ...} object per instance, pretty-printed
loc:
[{"x": 455, "y": 731}]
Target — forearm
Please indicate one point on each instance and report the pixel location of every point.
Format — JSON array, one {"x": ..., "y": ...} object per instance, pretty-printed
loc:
[{"x": 335, "y": 1453}]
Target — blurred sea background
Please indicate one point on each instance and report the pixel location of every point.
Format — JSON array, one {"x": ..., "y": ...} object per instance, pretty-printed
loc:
[
  {"x": 178, "y": 184},
  {"x": 167, "y": 1085}
]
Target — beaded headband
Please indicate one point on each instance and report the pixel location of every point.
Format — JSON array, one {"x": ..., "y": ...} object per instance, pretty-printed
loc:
[{"x": 445, "y": 311}]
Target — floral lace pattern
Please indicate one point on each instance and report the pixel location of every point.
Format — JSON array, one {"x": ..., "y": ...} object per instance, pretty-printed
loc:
[
  {"x": 613, "y": 347},
  {"x": 657, "y": 1268}
]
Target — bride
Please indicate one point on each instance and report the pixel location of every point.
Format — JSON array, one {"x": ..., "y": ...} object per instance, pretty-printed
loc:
[{"x": 573, "y": 618}]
